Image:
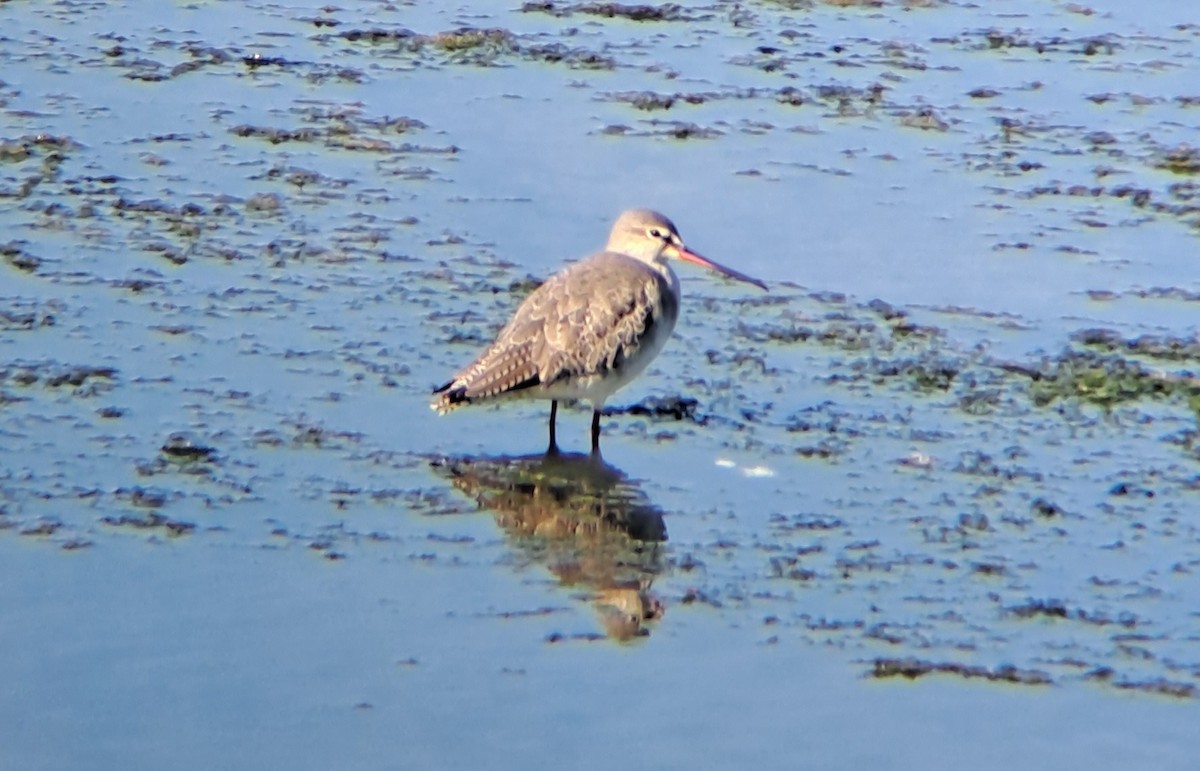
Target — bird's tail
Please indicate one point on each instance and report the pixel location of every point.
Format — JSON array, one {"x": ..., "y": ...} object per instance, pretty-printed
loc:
[{"x": 449, "y": 396}]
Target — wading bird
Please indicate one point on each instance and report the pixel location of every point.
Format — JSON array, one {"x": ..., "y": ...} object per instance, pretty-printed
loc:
[{"x": 589, "y": 329}]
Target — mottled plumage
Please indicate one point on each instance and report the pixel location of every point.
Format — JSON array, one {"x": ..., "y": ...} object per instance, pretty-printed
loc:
[{"x": 589, "y": 329}]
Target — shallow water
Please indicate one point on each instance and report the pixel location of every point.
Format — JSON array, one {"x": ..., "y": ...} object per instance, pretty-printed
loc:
[{"x": 927, "y": 502}]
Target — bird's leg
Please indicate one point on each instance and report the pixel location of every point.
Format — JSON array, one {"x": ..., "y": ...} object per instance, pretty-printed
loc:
[
  {"x": 595, "y": 432},
  {"x": 553, "y": 448}
]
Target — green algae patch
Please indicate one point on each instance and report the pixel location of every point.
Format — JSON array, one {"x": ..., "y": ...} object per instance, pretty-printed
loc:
[
  {"x": 912, "y": 668},
  {"x": 1161, "y": 347},
  {"x": 666, "y": 12},
  {"x": 1113, "y": 370},
  {"x": 468, "y": 38},
  {"x": 1100, "y": 380},
  {"x": 479, "y": 46},
  {"x": 1183, "y": 159}
]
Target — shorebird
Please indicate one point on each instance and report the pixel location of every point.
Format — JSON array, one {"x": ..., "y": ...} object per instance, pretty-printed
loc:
[{"x": 589, "y": 329}]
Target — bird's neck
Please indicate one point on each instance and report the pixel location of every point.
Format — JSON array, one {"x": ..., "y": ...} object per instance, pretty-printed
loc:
[{"x": 664, "y": 268}]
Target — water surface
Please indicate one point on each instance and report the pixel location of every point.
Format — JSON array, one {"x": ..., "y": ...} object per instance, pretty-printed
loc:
[{"x": 927, "y": 502}]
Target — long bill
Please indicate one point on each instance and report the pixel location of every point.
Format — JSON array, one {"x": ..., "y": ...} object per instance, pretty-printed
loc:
[{"x": 696, "y": 259}]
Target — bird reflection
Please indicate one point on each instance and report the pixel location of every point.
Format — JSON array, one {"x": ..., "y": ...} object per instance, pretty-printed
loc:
[{"x": 582, "y": 518}]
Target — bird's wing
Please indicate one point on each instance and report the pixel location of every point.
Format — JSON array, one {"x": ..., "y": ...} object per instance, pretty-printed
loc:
[{"x": 598, "y": 322}]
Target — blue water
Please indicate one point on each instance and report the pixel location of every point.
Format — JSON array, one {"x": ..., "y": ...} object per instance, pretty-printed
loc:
[{"x": 340, "y": 603}]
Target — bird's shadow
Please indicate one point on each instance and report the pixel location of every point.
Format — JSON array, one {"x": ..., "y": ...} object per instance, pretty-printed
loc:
[{"x": 583, "y": 519}]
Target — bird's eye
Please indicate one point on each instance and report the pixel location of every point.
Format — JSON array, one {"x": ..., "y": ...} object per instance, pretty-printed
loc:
[{"x": 656, "y": 233}]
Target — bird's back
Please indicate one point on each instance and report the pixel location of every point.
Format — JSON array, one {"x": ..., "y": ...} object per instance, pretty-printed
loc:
[{"x": 582, "y": 334}]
